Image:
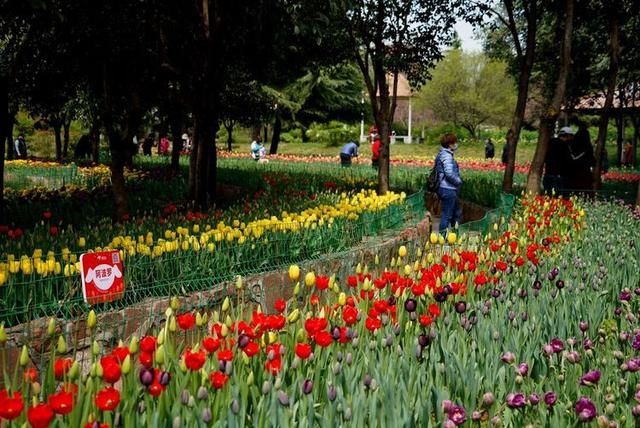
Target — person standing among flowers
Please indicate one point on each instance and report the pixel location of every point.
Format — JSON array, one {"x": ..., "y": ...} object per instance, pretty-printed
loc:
[
  {"x": 450, "y": 182},
  {"x": 375, "y": 152}
]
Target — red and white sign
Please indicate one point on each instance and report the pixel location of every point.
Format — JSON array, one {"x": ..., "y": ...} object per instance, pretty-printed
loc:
[{"x": 102, "y": 277}]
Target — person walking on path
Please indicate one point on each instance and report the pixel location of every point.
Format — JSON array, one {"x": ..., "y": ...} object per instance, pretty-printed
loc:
[
  {"x": 450, "y": 182},
  {"x": 349, "y": 151},
  {"x": 489, "y": 149},
  {"x": 555, "y": 163},
  {"x": 580, "y": 178}
]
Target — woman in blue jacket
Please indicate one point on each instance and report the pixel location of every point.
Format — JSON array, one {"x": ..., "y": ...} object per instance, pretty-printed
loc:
[{"x": 450, "y": 182}]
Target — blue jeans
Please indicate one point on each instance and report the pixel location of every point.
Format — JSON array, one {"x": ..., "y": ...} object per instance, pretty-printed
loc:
[{"x": 451, "y": 209}]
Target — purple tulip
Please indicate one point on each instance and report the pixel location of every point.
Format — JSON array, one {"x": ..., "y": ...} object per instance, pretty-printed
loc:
[
  {"x": 457, "y": 415},
  {"x": 488, "y": 399},
  {"x": 584, "y": 326},
  {"x": 585, "y": 410},
  {"x": 332, "y": 393},
  {"x": 633, "y": 365},
  {"x": 534, "y": 398},
  {"x": 307, "y": 386},
  {"x": 557, "y": 345},
  {"x": 476, "y": 416},
  {"x": 516, "y": 400},
  {"x": 243, "y": 340},
  {"x": 617, "y": 311},
  {"x": 547, "y": 349},
  {"x": 283, "y": 398},
  {"x": 410, "y": 305},
  {"x": 587, "y": 344},
  {"x": 591, "y": 378},
  {"x": 146, "y": 376},
  {"x": 550, "y": 398},
  {"x": 461, "y": 307},
  {"x": 449, "y": 424},
  {"x": 637, "y": 396},
  {"x": 508, "y": 358},
  {"x": 636, "y": 342},
  {"x": 165, "y": 378},
  {"x": 573, "y": 357},
  {"x": 625, "y": 296},
  {"x": 635, "y": 410},
  {"x": 523, "y": 369}
]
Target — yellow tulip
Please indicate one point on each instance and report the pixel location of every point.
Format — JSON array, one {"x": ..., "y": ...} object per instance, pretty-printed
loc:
[
  {"x": 310, "y": 279},
  {"x": 451, "y": 238},
  {"x": 402, "y": 251},
  {"x": 433, "y": 238},
  {"x": 294, "y": 272}
]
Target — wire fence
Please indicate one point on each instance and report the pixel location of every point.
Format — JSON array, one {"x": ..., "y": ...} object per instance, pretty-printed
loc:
[
  {"x": 24, "y": 176},
  {"x": 199, "y": 266}
]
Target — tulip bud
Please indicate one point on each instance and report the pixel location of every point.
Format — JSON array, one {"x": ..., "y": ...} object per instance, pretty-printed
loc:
[
  {"x": 126, "y": 365},
  {"x": 250, "y": 379},
  {"x": 36, "y": 388},
  {"x": 172, "y": 325},
  {"x": 74, "y": 371},
  {"x": 3, "y": 335},
  {"x": 402, "y": 251},
  {"x": 294, "y": 273},
  {"x": 159, "y": 356},
  {"x": 175, "y": 303},
  {"x": 91, "y": 319},
  {"x": 62, "y": 345},
  {"x": 168, "y": 312},
  {"x": 24, "y": 356},
  {"x": 239, "y": 284},
  {"x": 133, "y": 344},
  {"x": 310, "y": 279},
  {"x": 226, "y": 304},
  {"x": 51, "y": 327}
]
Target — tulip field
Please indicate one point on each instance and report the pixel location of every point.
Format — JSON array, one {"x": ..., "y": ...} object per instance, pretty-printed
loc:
[{"x": 535, "y": 323}]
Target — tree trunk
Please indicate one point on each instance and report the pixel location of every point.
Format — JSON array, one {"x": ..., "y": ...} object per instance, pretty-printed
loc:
[
  {"x": 5, "y": 121},
  {"x": 205, "y": 161},
  {"x": 193, "y": 164},
  {"x": 66, "y": 124},
  {"x": 620, "y": 129},
  {"x": 275, "y": 140},
  {"x": 614, "y": 54},
  {"x": 550, "y": 114},
  {"x": 118, "y": 155},
  {"x": 57, "y": 131},
  {"x": 513, "y": 135}
]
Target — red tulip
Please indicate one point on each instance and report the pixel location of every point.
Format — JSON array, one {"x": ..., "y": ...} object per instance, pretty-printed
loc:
[
  {"x": 218, "y": 379},
  {"x": 349, "y": 315},
  {"x": 107, "y": 399},
  {"x": 61, "y": 402},
  {"x": 280, "y": 305},
  {"x": 226, "y": 355},
  {"x": 148, "y": 344},
  {"x": 251, "y": 349},
  {"x": 11, "y": 407},
  {"x": 194, "y": 360},
  {"x": 210, "y": 344},
  {"x": 186, "y": 321},
  {"x": 47, "y": 215},
  {"x": 30, "y": 375},
  {"x": 61, "y": 367},
  {"x": 110, "y": 369},
  {"x": 40, "y": 416},
  {"x": 146, "y": 359},
  {"x": 322, "y": 282},
  {"x": 120, "y": 353},
  {"x": 53, "y": 231},
  {"x": 323, "y": 338},
  {"x": 303, "y": 350}
]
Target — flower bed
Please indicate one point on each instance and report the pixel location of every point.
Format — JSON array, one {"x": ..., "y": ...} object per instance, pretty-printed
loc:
[
  {"x": 534, "y": 324},
  {"x": 188, "y": 249}
]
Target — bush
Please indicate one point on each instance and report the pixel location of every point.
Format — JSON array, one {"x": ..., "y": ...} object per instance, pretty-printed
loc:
[
  {"x": 333, "y": 134},
  {"x": 291, "y": 136}
]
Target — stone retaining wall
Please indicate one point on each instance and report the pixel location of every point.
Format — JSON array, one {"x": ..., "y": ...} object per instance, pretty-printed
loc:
[{"x": 261, "y": 288}]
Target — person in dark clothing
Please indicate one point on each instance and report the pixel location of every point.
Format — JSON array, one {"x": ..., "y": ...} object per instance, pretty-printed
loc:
[
  {"x": 555, "y": 162},
  {"x": 348, "y": 151},
  {"x": 579, "y": 177},
  {"x": 147, "y": 144},
  {"x": 489, "y": 149},
  {"x": 504, "y": 156},
  {"x": 83, "y": 148}
]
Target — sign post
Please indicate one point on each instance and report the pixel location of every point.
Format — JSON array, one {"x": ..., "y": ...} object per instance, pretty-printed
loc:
[{"x": 102, "y": 276}]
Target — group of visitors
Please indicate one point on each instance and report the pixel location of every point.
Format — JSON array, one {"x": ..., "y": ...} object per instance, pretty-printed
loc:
[{"x": 569, "y": 161}]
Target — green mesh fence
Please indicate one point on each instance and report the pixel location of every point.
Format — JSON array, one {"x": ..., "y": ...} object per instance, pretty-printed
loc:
[
  {"x": 21, "y": 177},
  {"x": 504, "y": 208},
  {"x": 190, "y": 271}
]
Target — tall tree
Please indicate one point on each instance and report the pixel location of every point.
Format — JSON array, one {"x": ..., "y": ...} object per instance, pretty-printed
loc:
[
  {"x": 389, "y": 38},
  {"x": 552, "y": 109},
  {"x": 519, "y": 19},
  {"x": 468, "y": 90}
]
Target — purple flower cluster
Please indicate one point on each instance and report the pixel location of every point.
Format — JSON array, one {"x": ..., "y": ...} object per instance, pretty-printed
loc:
[{"x": 585, "y": 410}]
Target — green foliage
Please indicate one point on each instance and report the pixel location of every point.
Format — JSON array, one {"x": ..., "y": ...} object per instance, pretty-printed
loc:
[
  {"x": 333, "y": 134},
  {"x": 469, "y": 90}
]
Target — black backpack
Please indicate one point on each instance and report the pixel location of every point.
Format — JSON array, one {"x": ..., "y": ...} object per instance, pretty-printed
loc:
[{"x": 433, "y": 184}]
